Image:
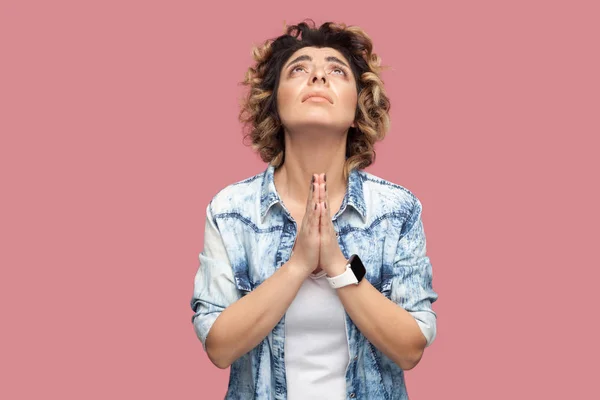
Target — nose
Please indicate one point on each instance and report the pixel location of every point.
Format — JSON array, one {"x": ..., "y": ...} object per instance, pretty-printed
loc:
[{"x": 318, "y": 75}]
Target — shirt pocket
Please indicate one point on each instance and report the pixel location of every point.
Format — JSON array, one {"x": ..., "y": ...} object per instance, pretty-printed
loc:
[{"x": 257, "y": 255}]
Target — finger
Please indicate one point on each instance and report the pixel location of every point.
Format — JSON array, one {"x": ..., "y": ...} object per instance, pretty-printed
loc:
[
  {"x": 310, "y": 200},
  {"x": 315, "y": 219},
  {"x": 315, "y": 211},
  {"x": 322, "y": 209},
  {"x": 325, "y": 194},
  {"x": 315, "y": 198},
  {"x": 326, "y": 224},
  {"x": 322, "y": 194},
  {"x": 322, "y": 184},
  {"x": 323, "y": 214}
]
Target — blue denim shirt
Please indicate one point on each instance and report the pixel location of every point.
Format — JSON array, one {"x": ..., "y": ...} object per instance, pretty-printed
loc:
[{"x": 249, "y": 234}]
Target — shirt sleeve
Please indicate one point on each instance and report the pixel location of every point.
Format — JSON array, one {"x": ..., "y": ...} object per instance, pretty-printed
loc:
[
  {"x": 214, "y": 285},
  {"x": 411, "y": 286}
]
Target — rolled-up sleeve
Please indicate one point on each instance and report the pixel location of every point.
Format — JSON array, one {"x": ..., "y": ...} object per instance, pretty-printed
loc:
[
  {"x": 411, "y": 286},
  {"x": 214, "y": 286}
]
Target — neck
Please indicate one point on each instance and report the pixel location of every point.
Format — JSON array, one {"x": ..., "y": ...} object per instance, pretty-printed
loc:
[{"x": 307, "y": 154}]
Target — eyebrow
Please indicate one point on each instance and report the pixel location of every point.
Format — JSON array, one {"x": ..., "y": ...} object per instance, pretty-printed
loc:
[{"x": 309, "y": 58}]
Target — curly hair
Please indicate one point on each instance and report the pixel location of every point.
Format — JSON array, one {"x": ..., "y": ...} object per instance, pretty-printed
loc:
[{"x": 259, "y": 114}]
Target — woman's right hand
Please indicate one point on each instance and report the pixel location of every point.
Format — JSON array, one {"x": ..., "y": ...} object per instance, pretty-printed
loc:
[{"x": 306, "y": 248}]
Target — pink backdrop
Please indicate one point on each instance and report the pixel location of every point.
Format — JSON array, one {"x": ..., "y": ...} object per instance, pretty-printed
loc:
[{"x": 118, "y": 124}]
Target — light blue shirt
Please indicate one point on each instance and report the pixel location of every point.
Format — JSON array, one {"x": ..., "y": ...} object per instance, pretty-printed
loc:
[{"x": 249, "y": 234}]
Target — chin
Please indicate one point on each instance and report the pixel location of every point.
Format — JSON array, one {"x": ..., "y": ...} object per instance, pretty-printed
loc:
[
  {"x": 319, "y": 131},
  {"x": 324, "y": 121}
]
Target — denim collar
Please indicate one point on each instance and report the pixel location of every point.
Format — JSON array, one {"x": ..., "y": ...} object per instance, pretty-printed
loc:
[{"x": 354, "y": 193}]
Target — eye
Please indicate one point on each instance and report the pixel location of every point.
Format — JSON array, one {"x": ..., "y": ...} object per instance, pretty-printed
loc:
[
  {"x": 294, "y": 68},
  {"x": 339, "y": 68}
]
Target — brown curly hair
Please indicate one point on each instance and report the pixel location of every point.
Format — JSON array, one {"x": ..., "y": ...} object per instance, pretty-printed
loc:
[{"x": 259, "y": 113}]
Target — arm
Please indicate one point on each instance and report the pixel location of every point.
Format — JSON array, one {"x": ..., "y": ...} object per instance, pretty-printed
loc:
[
  {"x": 244, "y": 324},
  {"x": 402, "y": 326},
  {"x": 229, "y": 325}
]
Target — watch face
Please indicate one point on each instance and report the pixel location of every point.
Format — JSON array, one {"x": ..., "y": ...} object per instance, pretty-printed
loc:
[{"x": 357, "y": 267}]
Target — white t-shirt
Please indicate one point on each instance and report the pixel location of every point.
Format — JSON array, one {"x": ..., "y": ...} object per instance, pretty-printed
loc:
[{"x": 316, "y": 345}]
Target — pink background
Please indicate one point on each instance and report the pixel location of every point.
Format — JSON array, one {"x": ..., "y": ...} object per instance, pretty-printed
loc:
[{"x": 118, "y": 124}]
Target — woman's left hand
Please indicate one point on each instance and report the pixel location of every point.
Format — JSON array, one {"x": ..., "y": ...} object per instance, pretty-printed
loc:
[{"x": 331, "y": 258}]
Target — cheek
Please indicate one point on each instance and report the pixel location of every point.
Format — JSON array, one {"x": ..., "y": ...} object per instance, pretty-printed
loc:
[
  {"x": 283, "y": 98},
  {"x": 350, "y": 102}
]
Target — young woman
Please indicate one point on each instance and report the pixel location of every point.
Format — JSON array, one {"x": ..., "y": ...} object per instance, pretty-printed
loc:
[{"x": 314, "y": 281}]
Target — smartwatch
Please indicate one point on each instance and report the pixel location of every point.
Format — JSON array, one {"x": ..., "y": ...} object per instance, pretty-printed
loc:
[{"x": 355, "y": 272}]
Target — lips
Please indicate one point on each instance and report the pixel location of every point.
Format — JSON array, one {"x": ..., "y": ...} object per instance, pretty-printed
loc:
[{"x": 317, "y": 94}]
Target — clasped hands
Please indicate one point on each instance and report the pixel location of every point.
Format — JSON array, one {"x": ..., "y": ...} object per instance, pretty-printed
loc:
[{"x": 316, "y": 244}]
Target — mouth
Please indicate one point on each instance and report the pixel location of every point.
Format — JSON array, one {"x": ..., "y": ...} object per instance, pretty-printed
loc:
[{"x": 317, "y": 98}]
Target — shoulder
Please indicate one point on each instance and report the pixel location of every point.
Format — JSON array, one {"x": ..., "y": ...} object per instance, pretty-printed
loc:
[
  {"x": 237, "y": 196},
  {"x": 384, "y": 196}
]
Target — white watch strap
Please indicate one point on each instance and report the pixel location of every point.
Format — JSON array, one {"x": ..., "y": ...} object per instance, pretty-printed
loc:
[{"x": 345, "y": 279}]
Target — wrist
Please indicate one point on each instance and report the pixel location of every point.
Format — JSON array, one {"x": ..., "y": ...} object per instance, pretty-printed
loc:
[
  {"x": 297, "y": 270},
  {"x": 338, "y": 267}
]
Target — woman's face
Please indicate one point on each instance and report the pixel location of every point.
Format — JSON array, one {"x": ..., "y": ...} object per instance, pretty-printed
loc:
[{"x": 324, "y": 71}]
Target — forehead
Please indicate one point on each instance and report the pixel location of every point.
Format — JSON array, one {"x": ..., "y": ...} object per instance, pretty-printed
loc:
[{"x": 317, "y": 53}]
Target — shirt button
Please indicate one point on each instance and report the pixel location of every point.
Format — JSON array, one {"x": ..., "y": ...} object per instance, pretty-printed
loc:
[
  {"x": 355, "y": 358},
  {"x": 352, "y": 395},
  {"x": 337, "y": 234}
]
